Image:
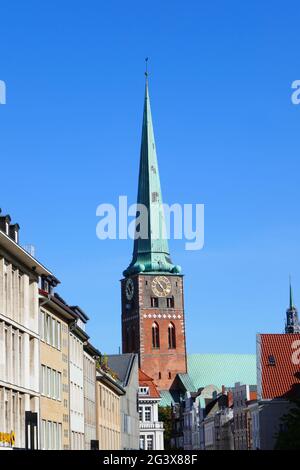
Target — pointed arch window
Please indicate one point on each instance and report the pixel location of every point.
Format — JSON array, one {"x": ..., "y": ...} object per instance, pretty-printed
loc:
[
  {"x": 172, "y": 336},
  {"x": 155, "y": 335}
]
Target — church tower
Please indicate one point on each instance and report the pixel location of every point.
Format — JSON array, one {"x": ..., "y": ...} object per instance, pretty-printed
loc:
[
  {"x": 292, "y": 322},
  {"x": 152, "y": 287}
]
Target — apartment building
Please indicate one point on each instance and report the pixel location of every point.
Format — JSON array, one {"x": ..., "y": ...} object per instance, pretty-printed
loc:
[
  {"x": 126, "y": 368},
  {"x": 90, "y": 356},
  {"x": 55, "y": 317},
  {"x": 19, "y": 336},
  {"x": 77, "y": 339},
  {"x": 108, "y": 397},
  {"x": 151, "y": 429}
]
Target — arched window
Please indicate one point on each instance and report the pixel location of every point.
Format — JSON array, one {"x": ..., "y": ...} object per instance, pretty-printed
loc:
[
  {"x": 171, "y": 336},
  {"x": 155, "y": 335}
]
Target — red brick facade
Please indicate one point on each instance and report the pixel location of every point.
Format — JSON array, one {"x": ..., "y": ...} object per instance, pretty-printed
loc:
[{"x": 167, "y": 358}]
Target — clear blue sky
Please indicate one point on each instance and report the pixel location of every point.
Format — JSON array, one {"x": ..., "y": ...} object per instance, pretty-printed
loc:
[{"x": 226, "y": 132}]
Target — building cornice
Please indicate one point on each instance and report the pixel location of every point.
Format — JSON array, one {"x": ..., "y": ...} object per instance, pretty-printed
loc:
[
  {"x": 110, "y": 382},
  {"x": 23, "y": 256}
]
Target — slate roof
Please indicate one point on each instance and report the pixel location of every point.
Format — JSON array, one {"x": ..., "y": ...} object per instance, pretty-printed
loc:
[
  {"x": 168, "y": 397},
  {"x": 121, "y": 364},
  {"x": 187, "y": 382},
  {"x": 222, "y": 369},
  {"x": 279, "y": 365},
  {"x": 213, "y": 369}
]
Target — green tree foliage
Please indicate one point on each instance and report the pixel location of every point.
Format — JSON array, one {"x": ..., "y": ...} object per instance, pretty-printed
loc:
[
  {"x": 165, "y": 415},
  {"x": 289, "y": 437}
]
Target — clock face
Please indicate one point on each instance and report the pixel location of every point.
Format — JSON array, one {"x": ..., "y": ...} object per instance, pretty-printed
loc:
[
  {"x": 129, "y": 289},
  {"x": 161, "y": 286}
]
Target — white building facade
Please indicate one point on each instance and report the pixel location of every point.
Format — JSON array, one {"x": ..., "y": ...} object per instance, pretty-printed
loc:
[
  {"x": 19, "y": 335},
  {"x": 151, "y": 429},
  {"x": 76, "y": 393}
]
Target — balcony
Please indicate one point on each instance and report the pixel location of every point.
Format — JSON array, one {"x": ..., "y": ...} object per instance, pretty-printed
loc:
[{"x": 151, "y": 426}]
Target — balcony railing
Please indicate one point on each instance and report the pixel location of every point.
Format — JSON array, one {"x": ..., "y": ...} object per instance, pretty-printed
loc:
[{"x": 150, "y": 425}]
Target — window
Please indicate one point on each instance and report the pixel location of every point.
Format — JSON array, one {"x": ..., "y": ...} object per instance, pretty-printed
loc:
[
  {"x": 48, "y": 381},
  {"x": 271, "y": 360},
  {"x": 51, "y": 435},
  {"x": 58, "y": 326},
  {"x": 147, "y": 413},
  {"x": 42, "y": 325},
  {"x": 171, "y": 336},
  {"x": 58, "y": 385},
  {"x": 49, "y": 440},
  {"x": 170, "y": 302},
  {"x": 43, "y": 380},
  {"x": 144, "y": 390},
  {"x": 154, "y": 302},
  {"x": 140, "y": 413},
  {"x": 48, "y": 329},
  {"x": 54, "y": 335},
  {"x": 155, "y": 335},
  {"x": 43, "y": 435},
  {"x": 149, "y": 441},
  {"x": 53, "y": 381},
  {"x": 142, "y": 442}
]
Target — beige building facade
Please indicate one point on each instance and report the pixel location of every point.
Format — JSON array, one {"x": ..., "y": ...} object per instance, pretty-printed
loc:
[
  {"x": 108, "y": 394},
  {"x": 90, "y": 356},
  {"x": 55, "y": 318}
]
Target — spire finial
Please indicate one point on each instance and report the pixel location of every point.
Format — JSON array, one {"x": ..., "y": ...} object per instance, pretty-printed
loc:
[
  {"x": 291, "y": 293},
  {"x": 146, "y": 70}
]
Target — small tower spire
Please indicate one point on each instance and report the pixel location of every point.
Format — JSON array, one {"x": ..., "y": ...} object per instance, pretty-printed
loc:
[
  {"x": 291, "y": 295},
  {"x": 292, "y": 321}
]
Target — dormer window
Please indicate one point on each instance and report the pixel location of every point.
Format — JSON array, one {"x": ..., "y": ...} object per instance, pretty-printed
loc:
[
  {"x": 271, "y": 360},
  {"x": 44, "y": 285},
  {"x": 144, "y": 390}
]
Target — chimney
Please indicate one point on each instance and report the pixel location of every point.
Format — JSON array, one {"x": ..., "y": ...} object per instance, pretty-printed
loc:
[
  {"x": 14, "y": 232},
  {"x": 5, "y": 223}
]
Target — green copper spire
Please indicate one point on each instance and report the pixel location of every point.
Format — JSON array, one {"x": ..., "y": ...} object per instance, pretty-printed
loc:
[{"x": 151, "y": 251}]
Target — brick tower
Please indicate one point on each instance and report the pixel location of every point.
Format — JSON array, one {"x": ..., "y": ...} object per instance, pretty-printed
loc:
[{"x": 152, "y": 287}]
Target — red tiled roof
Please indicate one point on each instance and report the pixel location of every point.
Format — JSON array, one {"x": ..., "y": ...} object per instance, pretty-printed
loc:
[
  {"x": 146, "y": 381},
  {"x": 280, "y": 365}
]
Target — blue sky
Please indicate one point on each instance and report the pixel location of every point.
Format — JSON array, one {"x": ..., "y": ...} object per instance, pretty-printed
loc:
[{"x": 226, "y": 132}]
